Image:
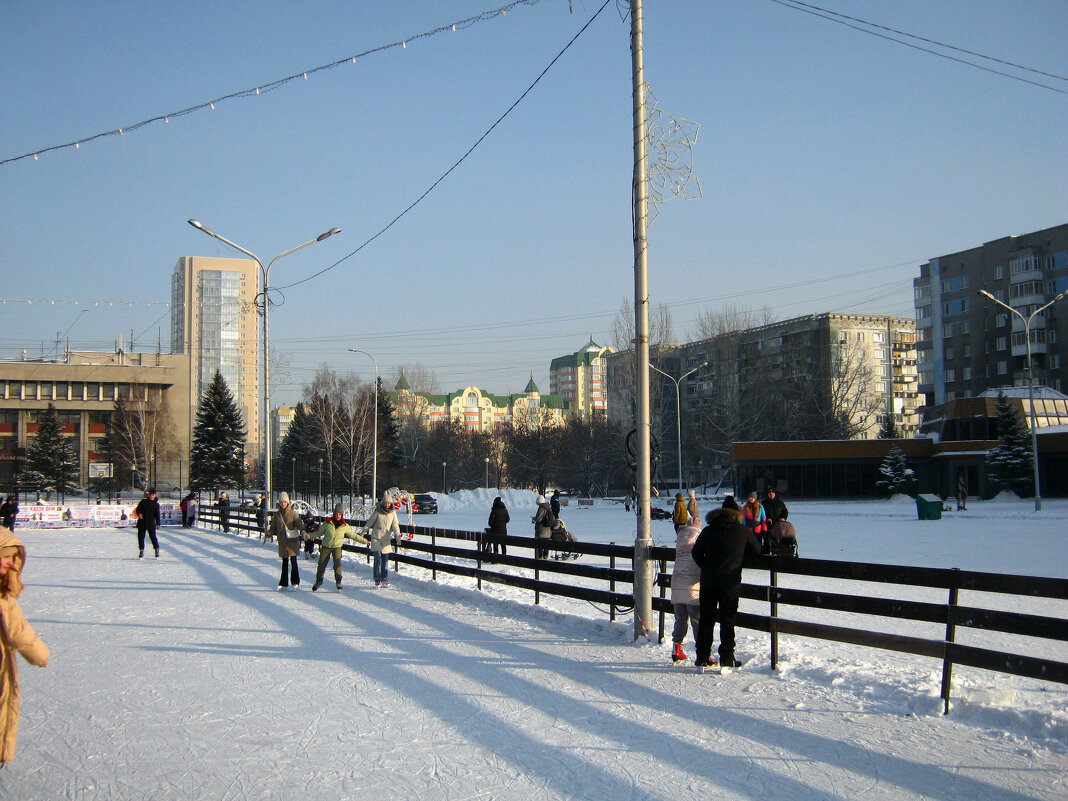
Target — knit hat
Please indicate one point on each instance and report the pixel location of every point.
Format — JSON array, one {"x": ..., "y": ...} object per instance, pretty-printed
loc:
[
  {"x": 730, "y": 503},
  {"x": 283, "y": 498},
  {"x": 339, "y": 511},
  {"x": 539, "y": 500}
]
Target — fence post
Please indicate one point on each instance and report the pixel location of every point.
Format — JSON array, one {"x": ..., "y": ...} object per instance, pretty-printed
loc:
[
  {"x": 537, "y": 573},
  {"x": 663, "y": 570},
  {"x": 774, "y": 614},
  {"x": 434, "y": 553},
  {"x": 612, "y": 584},
  {"x": 478, "y": 561},
  {"x": 951, "y": 633}
]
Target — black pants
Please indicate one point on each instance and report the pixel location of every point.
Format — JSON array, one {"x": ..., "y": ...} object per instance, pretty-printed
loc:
[
  {"x": 141, "y": 538},
  {"x": 294, "y": 574},
  {"x": 225, "y": 520},
  {"x": 717, "y": 603}
]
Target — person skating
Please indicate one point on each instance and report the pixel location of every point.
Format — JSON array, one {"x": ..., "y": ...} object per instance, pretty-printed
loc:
[
  {"x": 261, "y": 516},
  {"x": 147, "y": 515},
  {"x": 380, "y": 528},
  {"x": 16, "y": 637},
  {"x": 192, "y": 508},
  {"x": 9, "y": 510},
  {"x": 691, "y": 507},
  {"x": 720, "y": 551},
  {"x": 685, "y": 587},
  {"x": 777, "y": 513},
  {"x": 756, "y": 520},
  {"x": 288, "y": 528},
  {"x": 334, "y": 532}
]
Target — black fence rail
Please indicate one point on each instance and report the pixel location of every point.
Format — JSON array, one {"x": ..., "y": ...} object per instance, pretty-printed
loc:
[{"x": 460, "y": 553}]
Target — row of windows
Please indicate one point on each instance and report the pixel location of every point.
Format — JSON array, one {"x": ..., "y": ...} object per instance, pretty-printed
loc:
[
  {"x": 957, "y": 284},
  {"x": 71, "y": 390}
]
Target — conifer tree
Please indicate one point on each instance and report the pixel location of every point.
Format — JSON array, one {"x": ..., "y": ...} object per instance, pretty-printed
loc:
[
  {"x": 888, "y": 427},
  {"x": 1011, "y": 463},
  {"x": 217, "y": 458},
  {"x": 51, "y": 461},
  {"x": 896, "y": 474}
]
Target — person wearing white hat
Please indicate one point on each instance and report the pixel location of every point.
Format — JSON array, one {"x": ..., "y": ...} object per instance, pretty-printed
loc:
[
  {"x": 543, "y": 520},
  {"x": 288, "y": 528}
]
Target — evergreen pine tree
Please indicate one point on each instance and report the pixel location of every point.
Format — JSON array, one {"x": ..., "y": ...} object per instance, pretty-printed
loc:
[
  {"x": 896, "y": 474},
  {"x": 51, "y": 461},
  {"x": 888, "y": 427},
  {"x": 217, "y": 458},
  {"x": 1011, "y": 463}
]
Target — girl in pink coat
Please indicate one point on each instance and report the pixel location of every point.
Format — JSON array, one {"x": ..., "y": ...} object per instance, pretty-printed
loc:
[{"x": 685, "y": 587}]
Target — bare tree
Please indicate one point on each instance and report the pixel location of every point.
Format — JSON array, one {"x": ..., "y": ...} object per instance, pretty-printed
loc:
[{"x": 712, "y": 324}]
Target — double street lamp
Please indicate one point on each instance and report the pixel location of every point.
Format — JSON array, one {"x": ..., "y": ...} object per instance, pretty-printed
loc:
[
  {"x": 265, "y": 272},
  {"x": 374, "y": 464},
  {"x": 1030, "y": 379},
  {"x": 678, "y": 408}
]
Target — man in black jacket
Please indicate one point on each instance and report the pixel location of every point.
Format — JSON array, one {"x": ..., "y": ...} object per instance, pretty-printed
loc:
[
  {"x": 720, "y": 550},
  {"x": 147, "y": 514}
]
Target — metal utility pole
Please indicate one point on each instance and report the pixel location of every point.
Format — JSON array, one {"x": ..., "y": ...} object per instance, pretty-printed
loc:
[{"x": 643, "y": 568}]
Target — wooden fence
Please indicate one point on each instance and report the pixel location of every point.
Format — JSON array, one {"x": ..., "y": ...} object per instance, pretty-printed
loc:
[{"x": 459, "y": 553}]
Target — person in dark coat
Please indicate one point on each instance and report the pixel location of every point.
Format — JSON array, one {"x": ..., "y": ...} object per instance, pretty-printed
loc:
[
  {"x": 720, "y": 551},
  {"x": 261, "y": 515},
  {"x": 9, "y": 510},
  {"x": 554, "y": 503},
  {"x": 498, "y": 527},
  {"x": 777, "y": 513},
  {"x": 147, "y": 515},
  {"x": 224, "y": 513}
]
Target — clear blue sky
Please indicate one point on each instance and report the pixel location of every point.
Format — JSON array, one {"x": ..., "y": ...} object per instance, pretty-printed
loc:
[{"x": 832, "y": 163}]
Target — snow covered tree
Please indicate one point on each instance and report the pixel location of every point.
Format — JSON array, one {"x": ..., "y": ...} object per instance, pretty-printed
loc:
[
  {"x": 217, "y": 458},
  {"x": 896, "y": 474},
  {"x": 1011, "y": 463},
  {"x": 51, "y": 461}
]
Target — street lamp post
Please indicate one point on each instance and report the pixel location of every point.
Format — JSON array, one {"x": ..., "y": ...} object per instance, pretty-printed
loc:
[
  {"x": 374, "y": 463},
  {"x": 319, "y": 497},
  {"x": 1030, "y": 380},
  {"x": 293, "y": 478},
  {"x": 487, "y": 472},
  {"x": 265, "y": 272},
  {"x": 678, "y": 409},
  {"x": 444, "y": 486}
]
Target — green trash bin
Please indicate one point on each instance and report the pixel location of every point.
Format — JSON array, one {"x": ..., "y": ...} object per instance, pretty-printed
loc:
[{"x": 929, "y": 507}]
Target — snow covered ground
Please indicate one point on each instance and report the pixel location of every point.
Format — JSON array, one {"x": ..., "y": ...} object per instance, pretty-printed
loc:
[{"x": 191, "y": 677}]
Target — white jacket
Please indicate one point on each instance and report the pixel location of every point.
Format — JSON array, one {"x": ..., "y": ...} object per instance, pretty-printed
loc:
[
  {"x": 379, "y": 528},
  {"x": 686, "y": 574}
]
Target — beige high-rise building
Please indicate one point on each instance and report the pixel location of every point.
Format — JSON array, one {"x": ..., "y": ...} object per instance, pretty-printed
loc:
[{"x": 214, "y": 320}]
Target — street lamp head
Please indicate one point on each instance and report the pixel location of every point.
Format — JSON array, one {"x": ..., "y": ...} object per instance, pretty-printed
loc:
[
  {"x": 329, "y": 233},
  {"x": 201, "y": 227},
  {"x": 987, "y": 294}
]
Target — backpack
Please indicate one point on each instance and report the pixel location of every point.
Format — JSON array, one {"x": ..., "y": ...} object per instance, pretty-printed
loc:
[{"x": 549, "y": 520}]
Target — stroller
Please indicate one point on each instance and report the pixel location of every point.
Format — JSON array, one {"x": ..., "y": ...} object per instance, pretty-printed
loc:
[
  {"x": 563, "y": 539},
  {"x": 782, "y": 539}
]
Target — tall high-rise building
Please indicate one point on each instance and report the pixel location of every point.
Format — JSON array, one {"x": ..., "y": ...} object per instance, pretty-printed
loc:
[
  {"x": 213, "y": 319},
  {"x": 967, "y": 343},
  {"x": 579, "y": 379}
]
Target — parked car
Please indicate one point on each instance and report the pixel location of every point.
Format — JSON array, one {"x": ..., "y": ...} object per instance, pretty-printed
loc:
[
  {"x": 656, "y": 513},
  {"x": 424, "y": 505}
]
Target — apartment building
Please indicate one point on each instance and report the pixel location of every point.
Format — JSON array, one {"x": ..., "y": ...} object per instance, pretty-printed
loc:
[
  {"x": 579, "y": 379},
  {"x": 967, "y": 343},
  {"x": 214, "y": 321},
  {"x": 479, "y": 410}
]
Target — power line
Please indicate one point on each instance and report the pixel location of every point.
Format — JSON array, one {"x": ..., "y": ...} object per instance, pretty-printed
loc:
[
  {"x": 272, "y": 85},
  {"x": 459, "y": 161},
  {"x": 844, "y": 19}
]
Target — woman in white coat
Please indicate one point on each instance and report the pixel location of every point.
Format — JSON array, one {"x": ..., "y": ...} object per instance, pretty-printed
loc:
[
  {"x": 379, "y": 529},
  {"x": 685, "y": 587}
]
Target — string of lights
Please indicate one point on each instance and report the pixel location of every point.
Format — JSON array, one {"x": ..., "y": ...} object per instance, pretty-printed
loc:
[
  {"x": 277, "y": 84},
  {"x": 459, "y": 161},
  {"x": 845, "y": 19}
]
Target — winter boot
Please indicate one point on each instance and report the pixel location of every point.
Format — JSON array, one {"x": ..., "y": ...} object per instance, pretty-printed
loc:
[
  {"x": 677, "y": 655},
  {"x": 157, "y": 553},
  {"x": 339, "y": 586},
  {"x": 316, "y": 585},
  {"x": 140, "y": 554}
]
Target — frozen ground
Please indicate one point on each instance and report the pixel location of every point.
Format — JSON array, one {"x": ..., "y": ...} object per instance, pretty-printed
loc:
[{"x": 190, "y": 677}]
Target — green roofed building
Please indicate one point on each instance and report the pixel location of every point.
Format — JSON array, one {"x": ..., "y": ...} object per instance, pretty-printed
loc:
[{"x": 579, "y": 379}]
